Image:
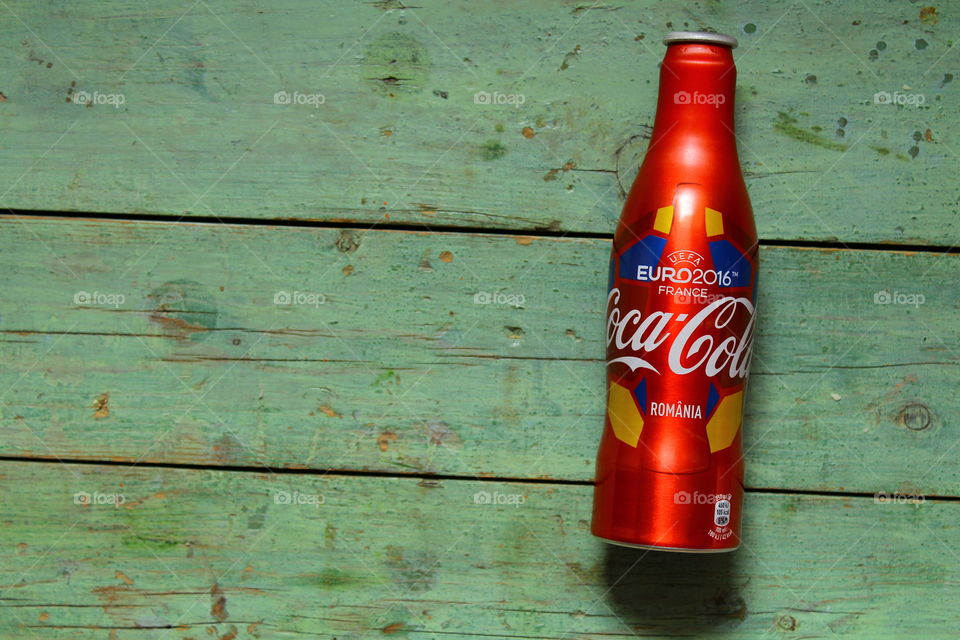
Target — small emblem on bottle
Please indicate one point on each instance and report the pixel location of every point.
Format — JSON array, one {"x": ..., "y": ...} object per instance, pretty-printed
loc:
[{"x": 721, "y": 513}]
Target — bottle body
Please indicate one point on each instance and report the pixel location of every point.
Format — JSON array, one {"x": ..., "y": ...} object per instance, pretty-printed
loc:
[{"x": 680, "y": 319}]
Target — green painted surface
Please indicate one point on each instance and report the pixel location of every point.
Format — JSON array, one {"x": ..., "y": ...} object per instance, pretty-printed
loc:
[
  {"x": 399, "y": 137},
  {"x": 417, "y": 360},
  {"x": 469, "y": 355},
  {"x": 213, "y": 554}
]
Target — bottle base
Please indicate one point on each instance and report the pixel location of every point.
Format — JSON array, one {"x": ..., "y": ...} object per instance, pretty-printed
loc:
[{"x": 653, "y": 547}]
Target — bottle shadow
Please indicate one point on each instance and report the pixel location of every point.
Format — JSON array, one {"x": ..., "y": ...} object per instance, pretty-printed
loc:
[{"x": 661, "y": 592}]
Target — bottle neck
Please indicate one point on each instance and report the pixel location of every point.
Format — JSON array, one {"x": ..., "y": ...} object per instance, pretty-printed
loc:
[{"x": 695, "y": 104}]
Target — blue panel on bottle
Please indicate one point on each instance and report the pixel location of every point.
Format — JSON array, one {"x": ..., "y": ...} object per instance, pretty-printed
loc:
[
  {"x": 646, "y": 252},
  {"x": 712, "y": 398},
  {"x": 611, "y": 272},
  {"x": 640, "y": 393},
  {"x": 728, "y": 259}
]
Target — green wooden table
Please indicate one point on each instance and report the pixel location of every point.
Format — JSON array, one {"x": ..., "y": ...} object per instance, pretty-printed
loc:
[{"x": 302, "y": 316}]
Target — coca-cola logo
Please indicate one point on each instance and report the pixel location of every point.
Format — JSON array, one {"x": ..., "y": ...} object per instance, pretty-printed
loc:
[{"x": 692, "y": 341}]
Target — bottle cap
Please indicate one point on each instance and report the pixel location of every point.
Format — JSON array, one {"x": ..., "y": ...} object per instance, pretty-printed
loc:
[{"x": 700, "y": 36}]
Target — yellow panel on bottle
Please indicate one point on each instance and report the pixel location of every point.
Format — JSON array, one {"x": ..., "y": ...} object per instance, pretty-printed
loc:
[
  {"x": 625, "y": 418},
  {"x": 664, "y": 219},
  {"x": 714, "y": 222},
  {"x": 723, "y": 426}
]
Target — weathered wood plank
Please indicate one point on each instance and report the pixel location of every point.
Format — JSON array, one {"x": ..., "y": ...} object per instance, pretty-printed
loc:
[
  {"x": 401, "y": 370},
  {"x": 399, "y": 136},
  {"x": 213, "y": 553}
]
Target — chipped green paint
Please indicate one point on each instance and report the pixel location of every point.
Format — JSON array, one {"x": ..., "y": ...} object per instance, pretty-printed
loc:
[
  {"x": 424, "y": 563},
  {"x": 335, "y": 578},
  {"x": 395, "y": 63},
  {"x": 183, "y": 308},
  {"x": 787, "y": 125},
  {"x": 198, "y": 344},
  {"x": 384, "y": 379},
  {"x": 200, "y": 133},
  {"x": 404, "y": 369},
  {"x": 492, "y": 150},
  {"x": 148, "y": 544}
]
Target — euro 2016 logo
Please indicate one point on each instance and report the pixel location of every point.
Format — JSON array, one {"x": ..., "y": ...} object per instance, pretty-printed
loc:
[{"x": 685, "y": 256}]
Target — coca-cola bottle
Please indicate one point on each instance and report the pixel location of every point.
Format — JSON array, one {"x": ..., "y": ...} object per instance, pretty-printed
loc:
[{"x": 680, "y": 319}]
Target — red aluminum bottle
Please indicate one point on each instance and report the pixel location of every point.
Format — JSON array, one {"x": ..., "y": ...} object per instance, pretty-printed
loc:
[{"x": 680, "y": 319}]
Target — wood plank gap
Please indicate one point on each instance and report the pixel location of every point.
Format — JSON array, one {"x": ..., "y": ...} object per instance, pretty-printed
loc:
[
  {"x": 452, "y": 229},
  {"x": 439, "y": 476}
]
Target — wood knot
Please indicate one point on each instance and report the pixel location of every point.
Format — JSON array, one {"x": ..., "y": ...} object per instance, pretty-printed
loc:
[
  {"x": 101, "y": 406},
  {"x": 915, "y": 416},
  {"x": 218, "y": 606},
  {"x": 184, "y": 309},
  {"x": 348, "y": 241},
  {"x": 786, "y": 622}
]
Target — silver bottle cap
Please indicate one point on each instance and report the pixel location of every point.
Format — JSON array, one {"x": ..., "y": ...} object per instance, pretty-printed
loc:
[{"x": 700, "y": 36}]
